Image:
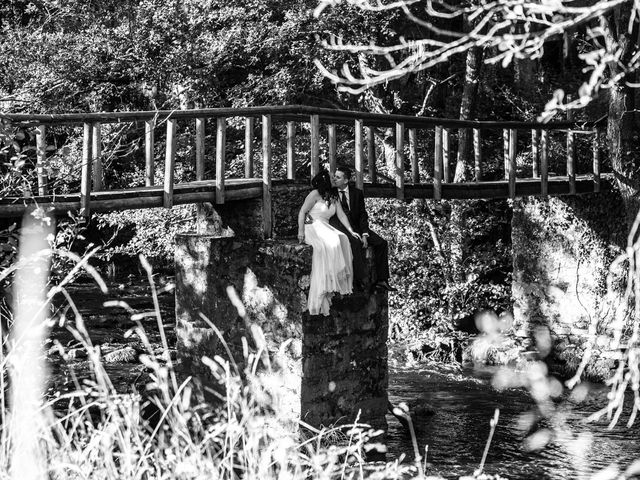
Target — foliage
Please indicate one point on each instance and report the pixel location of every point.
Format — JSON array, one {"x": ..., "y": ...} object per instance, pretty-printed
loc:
[
  {"x": 158, "y": 54},
  {"x": 148, "y": 232},
  {"x": 509, "y": 34},
  {"x": 419, "y": 265}
]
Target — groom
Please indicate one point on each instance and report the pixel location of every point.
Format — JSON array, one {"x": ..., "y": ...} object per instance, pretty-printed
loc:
[{"x": 352, "y": 201}]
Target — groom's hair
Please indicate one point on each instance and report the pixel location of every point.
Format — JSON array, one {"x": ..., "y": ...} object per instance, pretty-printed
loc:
[{"x": 344, "y": 169}]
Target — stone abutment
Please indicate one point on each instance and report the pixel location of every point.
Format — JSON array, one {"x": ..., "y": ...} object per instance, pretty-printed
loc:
[
  {"x": 329, "y": 370},
  {"x": 564, "y": 292}
]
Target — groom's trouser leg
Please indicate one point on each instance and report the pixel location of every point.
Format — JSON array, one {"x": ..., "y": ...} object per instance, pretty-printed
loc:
[
  {"x": 358, "y": 253},
  {"x": 380, "y": 256},
  {"x": 359, "y": 266}
]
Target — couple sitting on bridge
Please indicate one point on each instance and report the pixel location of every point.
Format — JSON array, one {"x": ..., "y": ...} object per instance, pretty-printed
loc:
[{"x": 334, "y": 221}]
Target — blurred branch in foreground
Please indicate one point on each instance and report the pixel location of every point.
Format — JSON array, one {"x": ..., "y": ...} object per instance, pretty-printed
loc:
[
  {"x": 507, "y": 30},
  {"x": 25, "y": 358}
]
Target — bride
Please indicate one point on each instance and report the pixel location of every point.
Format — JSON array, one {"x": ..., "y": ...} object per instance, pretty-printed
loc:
[{"x": 331, "y": 266}]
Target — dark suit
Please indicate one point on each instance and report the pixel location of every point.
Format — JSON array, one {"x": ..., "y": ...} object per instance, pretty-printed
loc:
[{"x": 359, "y": 220}]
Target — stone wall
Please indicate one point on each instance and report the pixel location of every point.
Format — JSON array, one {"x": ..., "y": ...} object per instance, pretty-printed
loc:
[
  {"x": 562, "y": 250},
  {"x": 327, "y": 368}
]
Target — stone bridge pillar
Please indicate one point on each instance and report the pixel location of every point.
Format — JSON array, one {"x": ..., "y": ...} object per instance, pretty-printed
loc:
[
  {"x": 562, "y": 251},
  {"x": 330, "y": 368}
]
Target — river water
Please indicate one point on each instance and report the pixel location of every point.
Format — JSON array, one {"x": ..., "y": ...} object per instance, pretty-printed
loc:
[
  {"x": 459, "y": 405},
  {"x": 452, "y": 406}
]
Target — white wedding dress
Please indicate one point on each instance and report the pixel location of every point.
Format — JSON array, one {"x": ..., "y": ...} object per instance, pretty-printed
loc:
[{"x": 332, "y": 263}]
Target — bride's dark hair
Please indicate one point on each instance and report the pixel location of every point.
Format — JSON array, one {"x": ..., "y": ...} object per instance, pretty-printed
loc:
[{"x": 322, "y": 183}]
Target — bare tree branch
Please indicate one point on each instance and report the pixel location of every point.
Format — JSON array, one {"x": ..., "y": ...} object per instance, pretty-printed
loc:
[{"x": 512, "y": 28}]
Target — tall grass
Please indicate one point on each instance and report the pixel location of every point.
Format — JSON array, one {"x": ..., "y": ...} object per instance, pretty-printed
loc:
[
  {"x": 164, "y": 432},
  {"x": 167, "y": 432}
]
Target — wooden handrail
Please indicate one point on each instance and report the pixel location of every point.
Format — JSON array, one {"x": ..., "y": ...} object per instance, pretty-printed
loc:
[
  {"x": 361, "y": 124},
  {"x": 300, "y": 113}
]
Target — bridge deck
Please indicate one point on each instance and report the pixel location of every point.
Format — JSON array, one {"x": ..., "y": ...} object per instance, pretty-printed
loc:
[{"x": 244, "y": 189}]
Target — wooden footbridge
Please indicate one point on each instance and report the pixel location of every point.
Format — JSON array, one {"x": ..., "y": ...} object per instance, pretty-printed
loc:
[{"x": 423, "y": 169}]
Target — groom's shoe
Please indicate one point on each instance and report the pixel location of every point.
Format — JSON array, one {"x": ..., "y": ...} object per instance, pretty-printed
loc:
[{"x": 384, "y": 285}]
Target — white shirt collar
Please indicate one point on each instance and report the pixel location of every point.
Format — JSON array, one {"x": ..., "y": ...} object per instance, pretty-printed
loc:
[{"x": 345, "y": 189}]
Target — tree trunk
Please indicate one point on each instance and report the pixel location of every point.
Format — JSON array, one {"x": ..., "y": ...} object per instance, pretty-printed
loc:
[
  {"x": 624, "y": 147},
  {"x": 464, "y": 163},
  {"x": 468, "y": 108},
  {"x": 624, "y": 120}
]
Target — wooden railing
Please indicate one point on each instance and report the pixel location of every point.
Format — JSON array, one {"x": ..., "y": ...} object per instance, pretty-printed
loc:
[{"x": 364, "y": 154}]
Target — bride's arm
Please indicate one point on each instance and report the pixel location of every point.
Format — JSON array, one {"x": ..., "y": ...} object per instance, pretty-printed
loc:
[
  {"x": 345, "y": 221},
  {"x": 309, "y": 202}
]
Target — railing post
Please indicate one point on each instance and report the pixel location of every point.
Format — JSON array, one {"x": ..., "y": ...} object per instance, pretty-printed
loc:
[
  {"x": 359, "y": 153},
  {"x": 400, "y": 161},
  {"x": 315, "y": 145},
  {"x": 169, "y": 163},
  {"x": 477, "y": 154},
  {"x": 371, "y": 155},
  {"x": 266, "y": 177},
  {"x": 596, "y": 161},
  {"x": 505, "y": 148},
  {"x": 221, "y": 142},
  {"x": 85, "y": 181},
  {"x": 200, "y": 136},
  {"x": 149, "y": 160},
  {"x": 513, "y": 146},
  {"x": 535, "y": 152},
  {"x": 96, "y": 156},
  {"x": 413, "y": 156},
  {"x": 571, "y": 169},
  {"x": 544, "y": 163},
  {"x": 41, "y": 156},
  {"x": 291, "y": 150},
  {"x": 249, "y": 122},
  {"x": 445, "y": 154},
  {"x": 331, "y": 132},
  {"x": 571, "y": 166},
  {"x": 437, "y": 164}
]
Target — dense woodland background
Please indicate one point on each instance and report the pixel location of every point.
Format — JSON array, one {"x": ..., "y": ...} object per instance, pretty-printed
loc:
[{"x": 63, "y": 56}]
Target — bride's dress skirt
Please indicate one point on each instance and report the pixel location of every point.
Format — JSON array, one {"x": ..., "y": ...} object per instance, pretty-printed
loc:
[{"x": 331, "y": 269}]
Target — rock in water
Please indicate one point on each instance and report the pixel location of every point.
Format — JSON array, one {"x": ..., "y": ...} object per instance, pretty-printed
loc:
[{"x": 122, "y": 355}]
